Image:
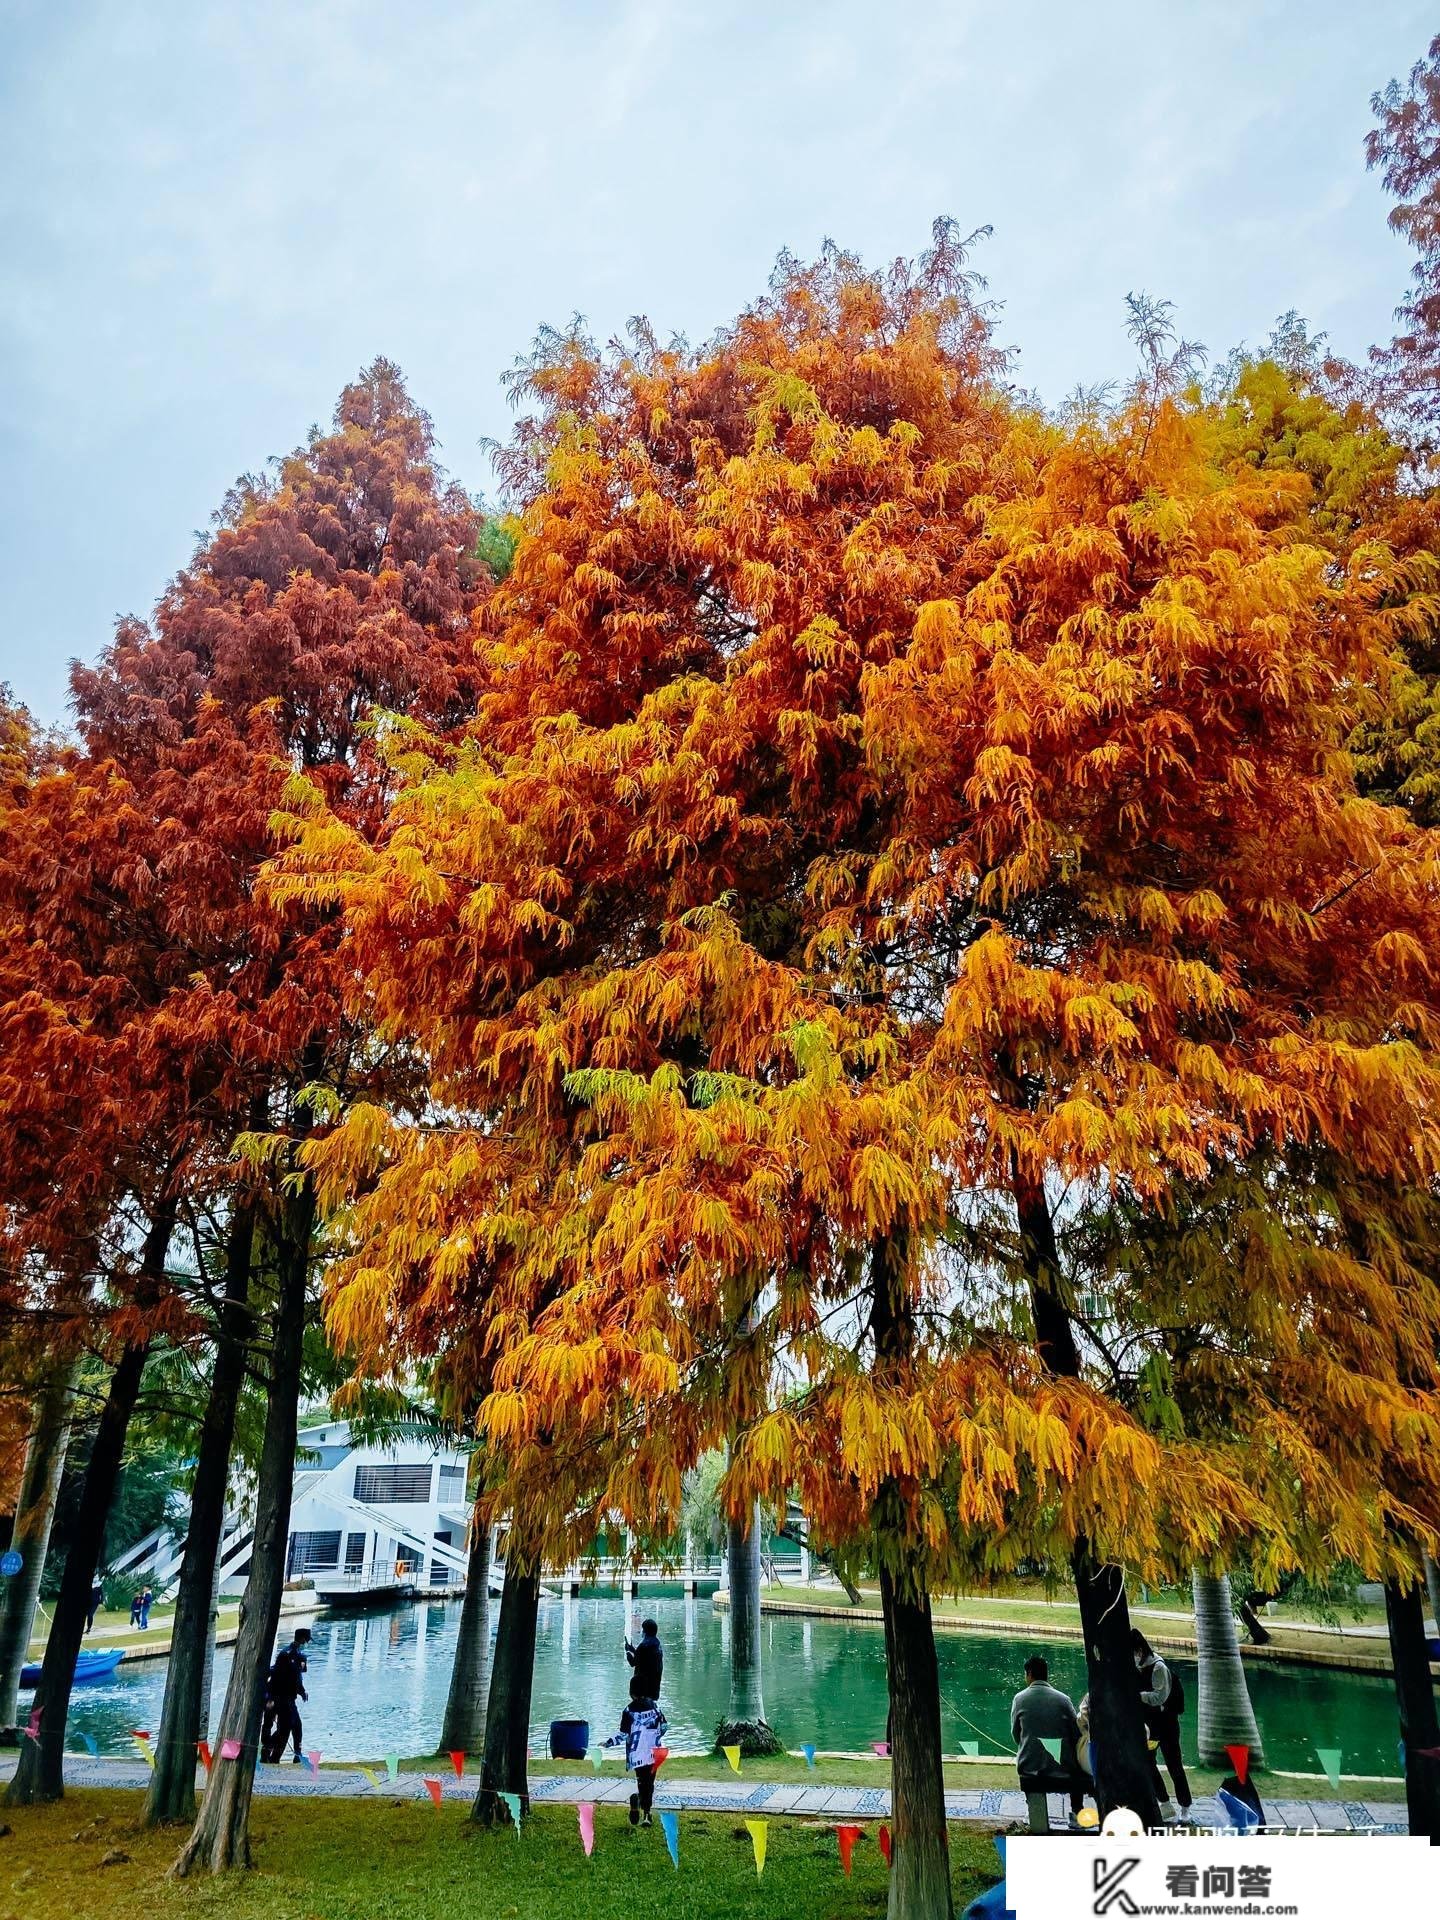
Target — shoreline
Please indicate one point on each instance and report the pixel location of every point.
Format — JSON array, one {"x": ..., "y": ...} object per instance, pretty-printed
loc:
[{"x": 1377, "y": 1664}]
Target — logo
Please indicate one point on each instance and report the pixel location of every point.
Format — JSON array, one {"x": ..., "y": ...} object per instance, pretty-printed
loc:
[{"x": 1110, "y": 1894}]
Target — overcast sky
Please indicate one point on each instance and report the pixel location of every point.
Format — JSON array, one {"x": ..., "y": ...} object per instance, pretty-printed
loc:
[{"x": 214, "y": 214}]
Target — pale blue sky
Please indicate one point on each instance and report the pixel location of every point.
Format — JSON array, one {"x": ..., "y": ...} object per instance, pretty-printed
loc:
[{"x": 213, "y": 214}]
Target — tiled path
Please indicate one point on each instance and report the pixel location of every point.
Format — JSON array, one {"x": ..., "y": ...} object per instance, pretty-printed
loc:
[{"x": 993, "y": 1805}]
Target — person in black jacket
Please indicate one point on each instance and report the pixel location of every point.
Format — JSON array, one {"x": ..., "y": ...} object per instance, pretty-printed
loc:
[
  {"x": 648, "y": 1660},
  {"x": 284, "y": 1685}
]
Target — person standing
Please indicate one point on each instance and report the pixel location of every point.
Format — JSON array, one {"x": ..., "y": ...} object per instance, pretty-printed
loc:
[
  {"x": 648, "y": 1661},
  {"x": 97, "y": 1600},
  {"x": 135, "y": 1609},
  {"x": 1163, "y": 1698},
  {"x": 147, "y": 1600},
  {"x": 285, "y": 1684},
  {"x": 1040, "y": 1712},
  {"x": 643, "y": 1725}
]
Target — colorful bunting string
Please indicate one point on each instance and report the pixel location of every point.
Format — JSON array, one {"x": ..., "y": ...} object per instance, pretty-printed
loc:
[
  {"x": 585, "y": 1813},
  {"x": 670, "y": 1827},
  {"x": 757, "y": 1830}
]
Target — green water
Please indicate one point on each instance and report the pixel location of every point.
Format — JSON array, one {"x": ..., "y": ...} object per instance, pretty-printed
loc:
[{"x": 378, "y": 1682}]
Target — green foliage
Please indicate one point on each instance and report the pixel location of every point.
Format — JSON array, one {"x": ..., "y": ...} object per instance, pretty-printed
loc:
[
  {"x": 496, "y": 542},
  {"x": 701, "y": 1514}
]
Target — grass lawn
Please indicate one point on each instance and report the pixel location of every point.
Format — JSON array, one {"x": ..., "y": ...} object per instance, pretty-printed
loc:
[
  {"x": 379, "y": 1860},
  {"x": 113, "y": 1628},
  {"x": 1022, "y": 1605}
]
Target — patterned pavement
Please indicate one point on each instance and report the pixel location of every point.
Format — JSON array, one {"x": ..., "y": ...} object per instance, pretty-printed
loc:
[{"x": 992, "y": 1805}]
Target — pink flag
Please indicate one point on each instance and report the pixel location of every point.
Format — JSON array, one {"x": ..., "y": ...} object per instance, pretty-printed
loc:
[
  {"x": 229, "y": 1749},
  {"x": 585, "y": 1813},
  {"x": 202, "y": 1747},
  {"x": 882, "y": 1747},
  {"x": 457, "y": 1761},
  {"x": 33, "y": 1726},
  {"x": 312, "y": 1760},
  {"x": 432, "y": 1787},
  {"x": 847, "y": 1836}
]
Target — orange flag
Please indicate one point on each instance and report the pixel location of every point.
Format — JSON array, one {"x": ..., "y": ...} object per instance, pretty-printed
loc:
[
  {"x": 432, "y": 1787},
  {"x": 457, "y": 1761},
  {"x": 885, "y": 1842},
  {"x": 662, "y": 1754},
  {"x": 847, "y": 1836},
  {"x": 202, "y": 1747}
]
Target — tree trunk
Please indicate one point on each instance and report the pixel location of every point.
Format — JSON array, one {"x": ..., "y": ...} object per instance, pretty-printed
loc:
[
  {"x": 1415, "y": 1697},
  {"x": 1224, "y": 1715},
  {"x": 920, "y": 1864},
  {"x": 1432, "y": 1588},
  {"x": 34, "y": 1512},
  {"x": 172, "y": 1780},
  {"x": 40, "y": 1775},
  {"x": 503, "y": 1768},
  {"x": 463, "y": 1730},
  {"x": 1125, "y": 1776},
  {"x": 744, "y": 1724},
  {"x": 221, "y": 1836}
]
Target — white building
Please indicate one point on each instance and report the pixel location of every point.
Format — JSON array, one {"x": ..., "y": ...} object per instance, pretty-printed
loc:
[{"x": 364, "y": 1518}]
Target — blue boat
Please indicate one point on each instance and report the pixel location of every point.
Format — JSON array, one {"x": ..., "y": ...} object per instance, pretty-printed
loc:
[{"x": 98, "y": 1665}]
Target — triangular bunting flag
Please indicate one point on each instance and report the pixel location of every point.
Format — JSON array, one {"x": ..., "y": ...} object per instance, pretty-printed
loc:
[
  {"x": 809, "y": 1752},
  {"x": 144, "y": 1747},
  {"x": 847, "y": 1836},
  {"x": 597, "y": 1758},
  {"x": 1152, "y": 1745},
  {"x": 457, "y": 1761},
  {"x": 662, "y": 1754},
  {"x": 585, "y": 1813},
  {"x": 757, "y": 1832},
  {"x": 32, "y": 1725},
  {"x": 732, "y": 1754},
  {"x": 1238, "y": 1812},
  {"x": 971, "y": 1749},
  {"x": 392, "y": 1764},
  {"x": 512, "y": 1807},
  {"x": 373, "y": 1777},
  {"x": 207, "y": 1759},
  {"x": 882, "y": 1748},
  {"x": 1051, "y": 1746},
  {"x": 1240, "y": 1760},
  {"x": 885, "y": 1848},
  {"x": 670, "y": 1827},
  {"x": 91, "y": 1746},
  {"x": 229, "y": 1749},
  {"x": 312, "y": 1760},
  {"x": 432, "y": 1787},
  {"x": 1400, "y": 1754},
  {"x": 1329, "y": 1758}
]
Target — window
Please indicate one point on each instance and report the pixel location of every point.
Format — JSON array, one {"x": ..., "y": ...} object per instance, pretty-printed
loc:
[
  {"x": 452, "y": 1483},
  {"x": 396, "y": 1486},
  {"x": 313, "y": 1551},
  {"x": 354, "y": 1550}
]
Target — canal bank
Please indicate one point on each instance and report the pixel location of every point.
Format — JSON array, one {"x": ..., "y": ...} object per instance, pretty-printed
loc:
[{"x": 1341, "y": 1649}]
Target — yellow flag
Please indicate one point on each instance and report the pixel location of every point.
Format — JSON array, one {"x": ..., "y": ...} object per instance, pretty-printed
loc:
[
  {"x": 371, "y": 1775},
  {"x": 757, "y": 1840},
  {"x": 732, "y": 1754},
  {"x": 144, "y": 1746}
]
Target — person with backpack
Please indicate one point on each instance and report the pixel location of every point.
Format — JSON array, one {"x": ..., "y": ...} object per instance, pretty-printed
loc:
[{"x": 1162, "y": 1695}]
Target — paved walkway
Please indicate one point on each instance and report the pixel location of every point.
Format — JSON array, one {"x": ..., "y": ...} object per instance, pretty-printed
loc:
[{"x": 995, "y": 1806}]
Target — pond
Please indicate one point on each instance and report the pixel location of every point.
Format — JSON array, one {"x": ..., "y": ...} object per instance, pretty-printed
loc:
[{"x": 378, "y": 1683}]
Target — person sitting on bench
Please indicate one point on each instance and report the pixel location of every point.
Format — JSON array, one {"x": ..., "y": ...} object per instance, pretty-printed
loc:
[{"x": 1040, "y": 1712}]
